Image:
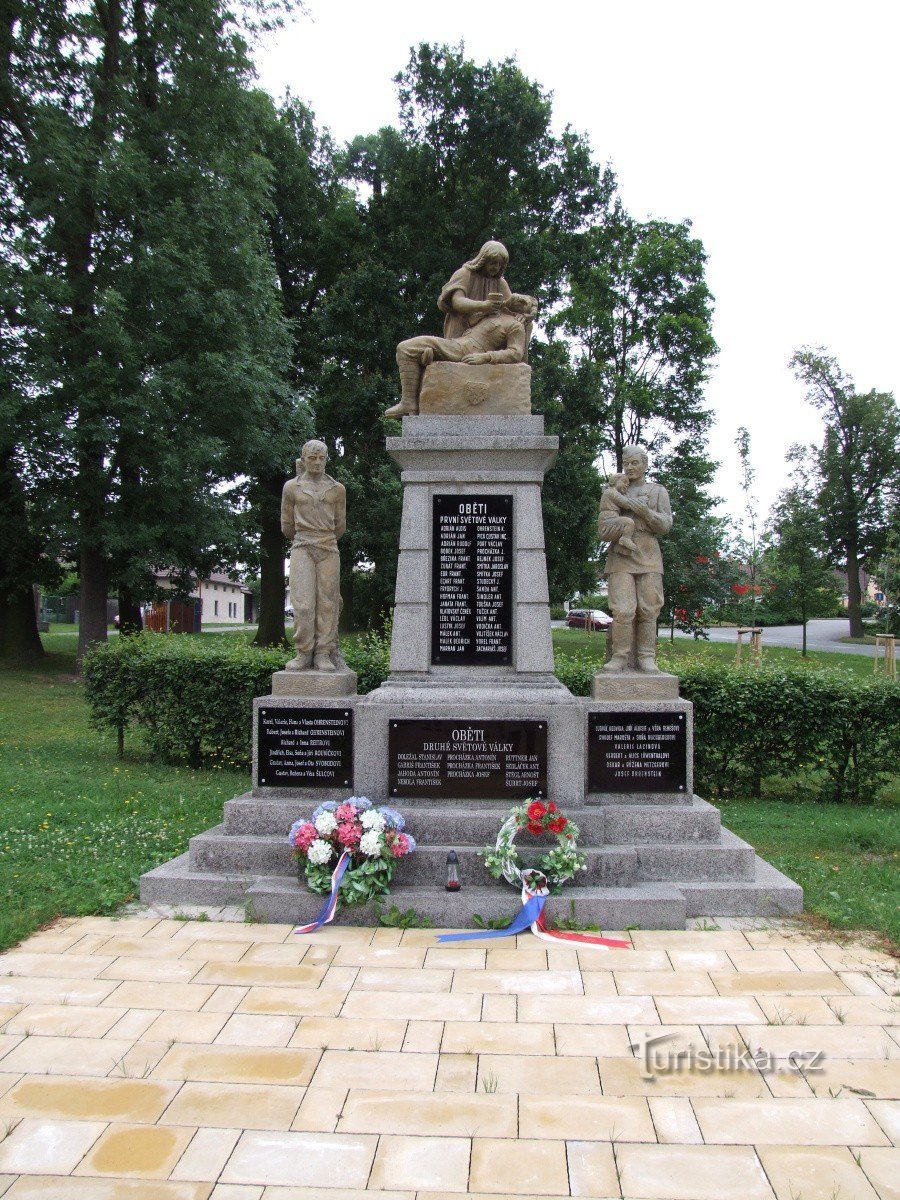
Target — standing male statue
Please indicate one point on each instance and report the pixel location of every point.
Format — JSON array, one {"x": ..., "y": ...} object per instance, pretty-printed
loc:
[
  {"x": 634, "y": 565},
  {"x": 313, "y": 516}
]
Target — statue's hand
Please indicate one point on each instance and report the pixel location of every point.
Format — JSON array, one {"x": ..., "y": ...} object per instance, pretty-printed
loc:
[
  {"x": 476, "y": 360},
  {"x": 492, "y": 305}
]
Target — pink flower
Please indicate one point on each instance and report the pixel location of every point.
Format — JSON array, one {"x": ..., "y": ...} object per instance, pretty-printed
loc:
[
  {"x": 400, "y": 845},
  {"x": 345, "y": 812},
  {"x": 348, "y": 833},
  {"x": 305, "y": 836}
]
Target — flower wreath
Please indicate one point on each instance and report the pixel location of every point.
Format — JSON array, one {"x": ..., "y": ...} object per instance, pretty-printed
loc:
[{"x": 556, "y": 867}]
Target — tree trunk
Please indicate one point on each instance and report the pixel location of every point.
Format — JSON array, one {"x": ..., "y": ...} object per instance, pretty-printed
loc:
[
  {"x": 803, "y": 617},
  {"x": 91, "y": 600},
  {"x": 19, "y": 637},
  {"x": 854, "y": 592},
  {"x": 271, "y": 572}
]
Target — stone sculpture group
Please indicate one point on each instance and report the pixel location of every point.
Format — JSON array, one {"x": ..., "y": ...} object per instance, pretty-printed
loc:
[{"x": 486, "y": 325}]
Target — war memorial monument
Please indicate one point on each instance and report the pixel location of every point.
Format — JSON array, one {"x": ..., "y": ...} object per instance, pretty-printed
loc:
[{"x": 472, "y": 718}]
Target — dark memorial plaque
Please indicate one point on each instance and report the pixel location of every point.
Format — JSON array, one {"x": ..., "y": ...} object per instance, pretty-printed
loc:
[
  {"x": 482, "y": 760},
  {"x": 471, "y": 580},
  {"x": 305, "y": 747},
  {"x": 637, "y": 752}
]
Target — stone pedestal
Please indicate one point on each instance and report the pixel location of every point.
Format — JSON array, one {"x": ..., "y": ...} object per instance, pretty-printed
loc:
[
  {"x": 634, "y": 685},
  {"x": 341, "y": 682},
  {"x": 456, "y": 389}
]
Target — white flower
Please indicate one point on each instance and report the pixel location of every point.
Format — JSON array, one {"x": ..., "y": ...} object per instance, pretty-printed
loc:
[
  {"x": 319, "y": 852},
  {"x": 372, "y": 820},
  {"x": 326, "y": 823},
  {"x": 370, "y": 843}
]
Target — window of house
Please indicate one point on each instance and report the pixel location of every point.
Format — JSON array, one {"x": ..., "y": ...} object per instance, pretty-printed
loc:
[{"x": 215, "y": 608}]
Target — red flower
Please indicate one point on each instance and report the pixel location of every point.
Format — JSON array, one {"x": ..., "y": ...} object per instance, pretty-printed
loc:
[
  {"x": 400, "y": 845},
  {"x": 536, "y": 811},
  {"x": 535, "y": 828},
  {"x": 558, "y": 825},
  {"x": 348, "y": 834}
]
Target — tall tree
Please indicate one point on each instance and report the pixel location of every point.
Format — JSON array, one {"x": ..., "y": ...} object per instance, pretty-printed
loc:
[
  {"x": 747, "y": 539},
  {"x": 149, "y": 304},
  {"x": 855, "y": 472},
  {"x": 794, "y": 562},
  {"x": 474, "y": 157},
  {"x": 639, "y": 314}
]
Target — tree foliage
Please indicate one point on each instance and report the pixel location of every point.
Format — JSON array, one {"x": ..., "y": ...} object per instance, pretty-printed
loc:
[{"x": 855, "y": 473}]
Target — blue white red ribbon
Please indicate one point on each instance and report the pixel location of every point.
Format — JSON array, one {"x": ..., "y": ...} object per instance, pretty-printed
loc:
[
  {"x": 329, "y": 908},
  {"x": 532, "y": 915}
]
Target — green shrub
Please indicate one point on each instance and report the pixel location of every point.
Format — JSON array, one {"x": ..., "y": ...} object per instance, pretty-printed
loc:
[
  {"x": 576, "y": 671},
  {"x": 557, "y": 612},
  {"x": 369, "y": 655}
]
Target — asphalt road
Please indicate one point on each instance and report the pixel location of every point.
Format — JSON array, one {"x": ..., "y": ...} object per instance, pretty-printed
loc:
[{"x": 821, "y": 634}]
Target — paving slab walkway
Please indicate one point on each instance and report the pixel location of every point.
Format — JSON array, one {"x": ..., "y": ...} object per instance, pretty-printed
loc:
[{"x": 148, "y": 1058}]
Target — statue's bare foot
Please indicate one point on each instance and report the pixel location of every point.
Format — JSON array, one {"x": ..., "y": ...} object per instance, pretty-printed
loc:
[
  {"x": 615, "y": 665},
  {"x": 323, "y": 663},
  {"x": 403, "y": 409},
  {"x": 301, "y": 663}
]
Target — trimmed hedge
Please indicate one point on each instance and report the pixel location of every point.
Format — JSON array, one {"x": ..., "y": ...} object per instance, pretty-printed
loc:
[{"x": 193, "y": 697}]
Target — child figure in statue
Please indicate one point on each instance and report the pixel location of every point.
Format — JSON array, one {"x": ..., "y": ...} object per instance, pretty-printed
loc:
[{"x": 613, "y": 526}]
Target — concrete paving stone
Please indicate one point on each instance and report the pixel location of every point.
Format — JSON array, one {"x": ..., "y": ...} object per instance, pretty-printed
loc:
[
  {"x": 237, "y": 1064},
  {"x": 217, "y": 951},
  {"x": 538, "y": 1074},
  {"x": 659, "y": 983},
  {"x": 291, "y": 1193},
  {"x": 319, "y": 1110},
  {"x": 206, "y": 1155},
  {"x": 199, "y": 1027},
  {"x": 40, "y": 1146},
  {"x": 688, "y": 939},
  {"x": 269, "y": 1000},
  {"x": 18, "y": 990},
  {"x": 599, "y": 983},
  {"x": 81, "y": 1098},
  {"x": 261, "y": 974},
  {"x": 245, "y": 1029},
  {"x": 866, "y": 1077},
  {"x": 860, "y": 983},
  {"x": 820, "y": 1121},
  {"x": 833, "y": 1041},
  {"x": 65, "y": 1055},
  {"x": 867, "y": 1010},
  {"x": 710, "y": 1010},
  {"x": 779, "y": 983},
  {"x": 406, "y": 1072},
  {"x": 627, "y": 1077},
  {"x": 592, "y": 1169},
  {"x": 225, "y": 999},
  {"x": 670, "y": 1039},
  {"x": 154, "y": 970},
  {"x": 235, "y": 1191},
  {"x": 887, "y": 1114},
  {"x": 312, "y": 1160},
  {"x": 188, "y": 997},
  {"x": 691, "y": 1173},
  {"x": 162, "y": 948},
  {"x": 345, "y": 1033},
  {"x": 852, "y": 957},
  {"x": 805, "y": 958},
  {"x": 282, "y": 954},
  {"x": 815, "y": 1173},
  {"x": 403, "y": 979},
  {"x": 593, "y": 1118},
  {"x": 53, "y": 966},
  {"x": 623, "y": 960},
  {"x": 674, "y": 1120},
  {"x": 509, "y": 1167},
  {"x": 456, "y": 1073},
  {"x": 225, "y": 931},
  {"x": 135, "y": 1023},
  {"x": 882, "y": 1168},
  {"x": 497, "y": 1037},
  {"x": 340, "y": 978},
  {"x": 69, "y": 1187},
  {"x": 63, "y": 1020},
  {"x": 136, "y": 1151},
  {"x": 421, "y": 1162},
  {"x": 765, "y": 961},
  {"x": 414, "y": 1006},
  {"x": 504, "y": 959},
  {"x": 422, "y": 1037},
  {"x": 519, "y": 983},
  {"x": 235, "y": 1106},
  {"x": 395, "y": 957},
  {"x": 702, "y": 960},
  {"x": 474, "y": 1115},
  {"x": 495, "y": 1007},
  {"x": 446, "y": 957},
  {"x": 602, "y": 1040},
  {"x": 800, "y": 1010},
  {"x": 562, "y": 958},
  {"x": 581, "y": 1010}
]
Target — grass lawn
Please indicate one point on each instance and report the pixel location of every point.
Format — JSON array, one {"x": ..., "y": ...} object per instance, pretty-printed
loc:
[{"x": 79, "y": 826}]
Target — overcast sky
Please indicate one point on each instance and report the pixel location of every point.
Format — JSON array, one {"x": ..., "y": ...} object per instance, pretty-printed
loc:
[{"x": 771, "y": 126}]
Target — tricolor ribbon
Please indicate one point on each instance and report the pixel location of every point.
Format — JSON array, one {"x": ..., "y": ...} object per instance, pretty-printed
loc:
[
  {"x": 329, "y": 908},
  {"x": 532, "y": 915}
]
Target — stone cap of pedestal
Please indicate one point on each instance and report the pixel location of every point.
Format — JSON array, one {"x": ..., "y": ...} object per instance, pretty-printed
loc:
[
  {"x": 473, "y": 456},
  {"x": 314, "y": 684},
  {"x": 469, "y": 425},
  {"x": 634, "y": 685}
]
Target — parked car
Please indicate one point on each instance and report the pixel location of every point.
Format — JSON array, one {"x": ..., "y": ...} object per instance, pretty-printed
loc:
[{"x": 584, "y": 618}]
